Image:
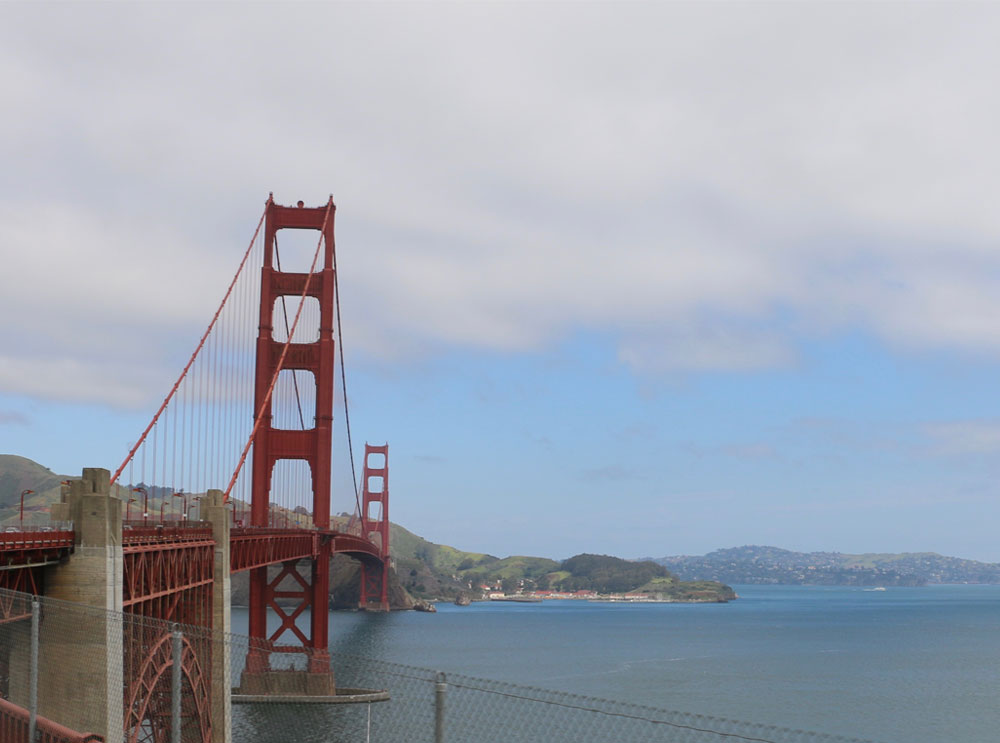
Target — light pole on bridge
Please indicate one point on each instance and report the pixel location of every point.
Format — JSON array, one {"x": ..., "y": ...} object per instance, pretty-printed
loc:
[
  {"x": 24, "y": 493},
  {"x": 145, "y": 502},
  {"x": 183, "y": 496}
]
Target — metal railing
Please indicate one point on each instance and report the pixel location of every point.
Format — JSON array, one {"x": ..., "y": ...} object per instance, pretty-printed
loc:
[{"x": 15, "y": 727}]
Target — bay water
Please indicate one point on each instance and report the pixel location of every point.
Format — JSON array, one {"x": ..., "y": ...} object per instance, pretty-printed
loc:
[{"x": 904, "y": 665}]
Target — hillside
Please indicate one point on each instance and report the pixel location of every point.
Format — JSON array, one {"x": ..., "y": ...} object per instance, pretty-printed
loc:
[
  {"x": 607, "y": 575},
  {"x": 772, "y": 565},
  {"x": 18, "y": 474}
]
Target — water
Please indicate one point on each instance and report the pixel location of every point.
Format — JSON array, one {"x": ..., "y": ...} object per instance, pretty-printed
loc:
[{"x": 908, "y": 665}]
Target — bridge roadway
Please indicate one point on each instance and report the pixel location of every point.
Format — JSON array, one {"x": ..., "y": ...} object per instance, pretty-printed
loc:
[{"x": 249, "y": 547}]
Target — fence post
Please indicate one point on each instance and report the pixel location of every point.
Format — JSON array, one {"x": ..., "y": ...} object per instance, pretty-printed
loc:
[
  {"x": 440, "y": 689},
  {"x": 175, "y": 692},
  {"x": 33, "y": 681}
]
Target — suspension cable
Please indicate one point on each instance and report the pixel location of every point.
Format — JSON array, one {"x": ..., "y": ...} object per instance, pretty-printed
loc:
[{"x": 197, "y": 350}]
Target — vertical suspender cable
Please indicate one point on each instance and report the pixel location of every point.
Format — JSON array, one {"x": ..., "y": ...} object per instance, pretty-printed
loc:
[
  {"x": 343, "y": 381},
  {"x": 194, "y": 355}
]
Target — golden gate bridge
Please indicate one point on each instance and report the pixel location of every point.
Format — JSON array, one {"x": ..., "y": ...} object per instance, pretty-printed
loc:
[{"x": 247, "y": 432}]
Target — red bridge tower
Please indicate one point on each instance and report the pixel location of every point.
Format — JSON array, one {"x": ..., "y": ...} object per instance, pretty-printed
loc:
[
  {"x": 375, "y": 522},
  {"x": 311, "y": 445}
]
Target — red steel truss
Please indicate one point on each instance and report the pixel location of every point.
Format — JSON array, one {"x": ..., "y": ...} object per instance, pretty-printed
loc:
[
  {"x": 22, "y": 555},
  {"x": 149, "y": 663},
  {"x": 24, "y": 580},
  {"x": 311, "y": 445},
  {"x": 168, "y": 577},
  {"x": 375, "y": 523},
  {"x": 256, "y": 548},
  {"x": 171, "y": 583}
]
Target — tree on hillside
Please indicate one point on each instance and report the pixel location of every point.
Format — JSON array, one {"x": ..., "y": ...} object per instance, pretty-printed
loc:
[{"x": 606, "y": 574}]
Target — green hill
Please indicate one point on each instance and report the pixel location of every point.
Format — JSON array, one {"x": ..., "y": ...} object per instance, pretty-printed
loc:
[
  {"x": 18, "y": 474},
  {"x": 606, "y": 574}
]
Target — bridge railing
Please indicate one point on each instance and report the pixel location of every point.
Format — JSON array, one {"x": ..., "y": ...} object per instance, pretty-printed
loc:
[
  {"x": 139, "y": 532},
  {"x": 33, "y": 526},
  {"x": 41, "y": 538},
  {"x": 15, "y": 727}
]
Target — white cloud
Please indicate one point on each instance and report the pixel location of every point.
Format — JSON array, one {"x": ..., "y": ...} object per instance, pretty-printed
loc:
[
  {"x": 70, "y": 379},
  {"x": 674, "y": 175},
  {"x": 956, "y": 438},
  {"x": 13, "y": 418}
]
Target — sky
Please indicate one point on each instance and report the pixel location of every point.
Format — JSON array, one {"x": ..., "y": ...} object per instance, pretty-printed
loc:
[{"x": 638, "y": 279}]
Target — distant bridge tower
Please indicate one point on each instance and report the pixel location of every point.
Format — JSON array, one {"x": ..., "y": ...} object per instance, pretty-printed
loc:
[
  {"x": 311, "y": 445},
  {"x": 375, "y": 522}
]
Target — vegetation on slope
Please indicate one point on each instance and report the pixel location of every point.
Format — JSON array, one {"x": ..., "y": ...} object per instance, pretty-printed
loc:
[
  {"x": 607, "y": 574},
  {"x": 18, "y": 474}
]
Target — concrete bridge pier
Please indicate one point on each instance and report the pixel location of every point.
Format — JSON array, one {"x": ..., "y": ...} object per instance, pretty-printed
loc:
[
  {"x": 80, "y": 653},
  {"x": 219, "y": 516}
]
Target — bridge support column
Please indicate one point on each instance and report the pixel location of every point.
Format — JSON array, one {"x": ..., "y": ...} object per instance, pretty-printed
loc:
[
  {"x": 219, "y": 516},
  {"x": 80, "y": 654}
]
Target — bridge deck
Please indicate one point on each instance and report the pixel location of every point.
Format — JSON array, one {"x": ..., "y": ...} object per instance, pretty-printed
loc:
[
  {"x": 26, "y": 548},
  {"x": 250, "y": 547},
  {"x": 254, "y": 547}
]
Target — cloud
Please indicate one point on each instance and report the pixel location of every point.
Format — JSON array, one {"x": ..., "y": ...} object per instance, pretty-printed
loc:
[
  {"x": 609, "y": 473},
  {"x": 958, "y": 438},
  {"x": 71, "y": 379},
  {"x": 747, "y": 450},
  {"x": 13, "y": 418},
  {"x": 708, "y": 186},
  {"x": 704, "y": 349}
]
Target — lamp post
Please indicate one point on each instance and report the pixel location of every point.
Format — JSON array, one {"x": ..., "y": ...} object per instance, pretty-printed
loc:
[
  {"x": 183, "y": 496},
  {"x": 128, "y": 507},
  {"x": 24, "y": 493},
  {"x": 162, "y": 501},
  {"x": 145, "y": 502}
]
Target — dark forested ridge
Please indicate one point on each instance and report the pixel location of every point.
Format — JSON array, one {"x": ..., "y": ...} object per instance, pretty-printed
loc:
[{"x": 606, "y": 574}]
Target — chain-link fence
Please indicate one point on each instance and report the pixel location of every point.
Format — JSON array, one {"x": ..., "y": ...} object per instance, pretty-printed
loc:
[{"x": 69, "y": 674}]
